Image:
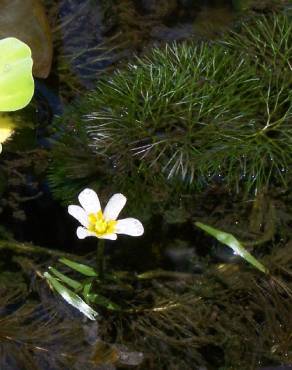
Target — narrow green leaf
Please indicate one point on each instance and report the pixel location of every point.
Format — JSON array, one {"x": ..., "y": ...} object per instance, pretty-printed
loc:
[
  {"x": 65, "y": 279},
  {"x": 71, "y": 298},
  {"x": 233, "y": 243},
  {"x": 98, "y": 298},
  {"x": 83, "y": 269},
  {"x": 87, "y": 291},
  {"x": 104, "y": 302},
  {"x": 16, "y": 81}
]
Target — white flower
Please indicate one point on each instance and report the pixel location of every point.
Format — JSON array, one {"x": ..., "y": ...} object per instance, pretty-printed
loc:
[{"x": 103, "y": 225}]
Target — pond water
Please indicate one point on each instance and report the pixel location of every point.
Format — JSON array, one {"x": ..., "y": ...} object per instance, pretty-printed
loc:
[{"x": 185, "y": 108}]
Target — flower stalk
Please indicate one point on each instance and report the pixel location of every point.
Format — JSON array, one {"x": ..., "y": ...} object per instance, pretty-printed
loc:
[
  {"x": 103, "y": 224},
  {"x": 100, "y": 258}
]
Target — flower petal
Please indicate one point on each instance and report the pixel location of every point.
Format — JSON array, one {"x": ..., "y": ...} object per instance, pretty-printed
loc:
[
  {"x": 89, "y": 201},
  {"x": 108, "y": 236},
  {"x": 78, "y": 213},
  {"x": 114, "y": 206},
  {"x": 83, "y": 233},
  {"x": 129, "y": 226}
]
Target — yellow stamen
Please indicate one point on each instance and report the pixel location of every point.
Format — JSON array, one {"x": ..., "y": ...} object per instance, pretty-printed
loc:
[{"x": 99, "y": 225}]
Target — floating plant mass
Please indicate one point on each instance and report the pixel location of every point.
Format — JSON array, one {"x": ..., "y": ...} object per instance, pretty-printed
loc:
[{"x": 182, "y": 117}]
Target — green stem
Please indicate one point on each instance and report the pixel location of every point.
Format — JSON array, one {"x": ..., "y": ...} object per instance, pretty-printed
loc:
[
  {"x": 100, "y": 258},
  {"x": 27, "y": 248}
]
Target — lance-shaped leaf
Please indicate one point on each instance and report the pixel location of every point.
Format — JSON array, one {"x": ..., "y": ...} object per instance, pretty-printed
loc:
[
  {"x": 83, "y": 269},
  {"x": 65, "y": 279},
  {"x": 16, "y": 81},
  {"x": 98, "y": 298},
  {"x": 233, "y": 243},
  {"x": 71, "y": 298}
]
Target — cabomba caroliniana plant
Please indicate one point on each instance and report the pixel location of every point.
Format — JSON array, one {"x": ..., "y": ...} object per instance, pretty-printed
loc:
[{"x": 16, "y": 81}]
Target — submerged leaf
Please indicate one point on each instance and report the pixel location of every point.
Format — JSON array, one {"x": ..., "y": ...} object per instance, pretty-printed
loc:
[
  {"x": 83, "y": 269},
  {"x": 71, "y": 298},
  {"x": 233, "y": 243},
  {"x": 16, "y": 81},
  {"x": 99, "y": 299},
  {"x": 65, "y": 279}
]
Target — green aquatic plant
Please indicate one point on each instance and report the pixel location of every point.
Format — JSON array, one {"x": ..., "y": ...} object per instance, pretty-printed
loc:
[
  {"x": 16, "y": 81},
  {"x": 99, "y": 224},
  {"x": 39, "y": 332},
  {"x": 177, "y": 120},
  {"x": 226, "y": 315},
  {"x": 233, "y": 243},
  {"x": 103, "y": 224},
  {"x": 267, "y": 41},
  {"x": 216, "y": 318},
  {"x": 82, "y": 294}
]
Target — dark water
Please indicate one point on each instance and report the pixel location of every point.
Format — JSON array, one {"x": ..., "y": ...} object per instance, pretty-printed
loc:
[{"x": 47, "y": 223}]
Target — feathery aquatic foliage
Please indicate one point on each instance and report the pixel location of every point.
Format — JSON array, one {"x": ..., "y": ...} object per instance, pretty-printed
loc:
[
  {"x": 267, "y": 40},
  {"x": 179, "y": 119},
  {"x": 38, "y": 331},
  {"x": 34, "y": 335},
  {"x": 235, "y": 317}
]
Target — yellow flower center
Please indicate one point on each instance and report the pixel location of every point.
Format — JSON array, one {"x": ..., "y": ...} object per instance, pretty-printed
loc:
[{"x": 99, "y": 225}]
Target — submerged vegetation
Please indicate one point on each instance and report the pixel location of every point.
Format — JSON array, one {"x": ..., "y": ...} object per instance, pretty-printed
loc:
[
  {"x": 193, "y": 133},
  {"x": 177, "y": 129},
  {"x": 183, "y": 320},
  {"x": 267, "y": 41},
  {"x": 184, "y": 117}
]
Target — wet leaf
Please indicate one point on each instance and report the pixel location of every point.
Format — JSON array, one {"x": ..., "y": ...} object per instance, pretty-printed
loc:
[
  {"x": 71, "y": 298},
  {"x": 233, "y": 243},
  {"x": 16, "y": 81},
  {"x": 87, "y": 290},
  {"x": 65, "y": 279},
  {"x": 27, "y": 21},
  {"x": 98, "y": 298},
  {"x": 83, "y": 269}
]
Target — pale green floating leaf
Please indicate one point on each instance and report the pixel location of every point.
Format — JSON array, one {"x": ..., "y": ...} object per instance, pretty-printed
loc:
[
  {"x": 71, "y": 298},
  {"x": 16, "y": 81},
  {"x": 83, "y": 269},
  {"x": 233, "y": 243}
]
